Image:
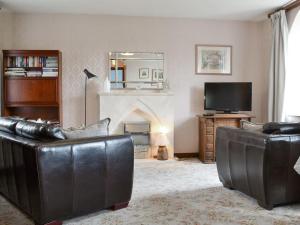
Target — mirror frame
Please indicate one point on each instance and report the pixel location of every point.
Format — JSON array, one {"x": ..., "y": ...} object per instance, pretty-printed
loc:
[{"x": 159, "y": 83}]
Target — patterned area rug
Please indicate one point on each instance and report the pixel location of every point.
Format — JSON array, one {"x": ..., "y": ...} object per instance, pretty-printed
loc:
[{"x": 176, "y": 192}]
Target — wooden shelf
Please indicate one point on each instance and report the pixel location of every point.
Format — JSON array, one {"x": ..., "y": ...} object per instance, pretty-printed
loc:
[
  {"x": 31, "y": 97},
  {"x": 29, "y": 78},
  {"x": 31, "y": 52},
  {"x": 14, "y": 105}
]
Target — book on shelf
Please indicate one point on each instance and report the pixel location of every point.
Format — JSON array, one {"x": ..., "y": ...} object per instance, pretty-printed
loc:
[
  {"x": 15, "y": 72},
  {"x": 50, "y": 71},
  {"x": 18, "y": 71},
  {"x": 32, "y": 61},
  {"x": 34, "y": 74}
]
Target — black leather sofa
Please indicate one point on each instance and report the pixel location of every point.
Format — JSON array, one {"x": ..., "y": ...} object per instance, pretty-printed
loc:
[
  {"x": 259, "y": 164},
  {"x": 52, "y": 179}
]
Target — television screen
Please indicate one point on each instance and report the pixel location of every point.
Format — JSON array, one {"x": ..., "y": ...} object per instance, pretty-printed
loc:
[{"x": 228, "y": 97}]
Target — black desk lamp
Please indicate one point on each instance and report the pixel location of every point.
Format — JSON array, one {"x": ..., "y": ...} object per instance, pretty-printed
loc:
[{"x": 89, "y": 75}]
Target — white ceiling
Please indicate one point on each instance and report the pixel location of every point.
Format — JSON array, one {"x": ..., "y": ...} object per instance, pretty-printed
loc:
[{"x": 204, "y": 9}]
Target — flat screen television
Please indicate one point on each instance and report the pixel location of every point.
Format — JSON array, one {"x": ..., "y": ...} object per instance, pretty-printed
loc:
[{"x": 228, "y": 97}]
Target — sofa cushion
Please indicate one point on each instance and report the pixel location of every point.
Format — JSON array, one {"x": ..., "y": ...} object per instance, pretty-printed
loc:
[
  {"x": 54, "y": 132},
  {"x": 30, "y": 129},
  {"x": 247, "y": 125},
  {"x": 8, "y": 124},
  {"x": 281, "y": 128},
  {"x": 38, "y": 130},
  {"x": 101, "y": 128}
]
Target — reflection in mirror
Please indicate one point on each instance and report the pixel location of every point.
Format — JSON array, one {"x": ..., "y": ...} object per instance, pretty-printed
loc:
[{"x": 136, "y": 70}]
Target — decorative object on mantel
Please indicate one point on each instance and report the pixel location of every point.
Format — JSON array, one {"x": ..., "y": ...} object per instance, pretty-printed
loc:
[
  {"x": 89, "y": 75},
  {"x": 213, "y": 60},
  {"x": 106, "y": 86}
]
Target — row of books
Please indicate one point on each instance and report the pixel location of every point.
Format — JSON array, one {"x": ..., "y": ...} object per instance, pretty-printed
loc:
[
  {"x": 32, "y": 61},
  {"x": 21, "y": 72},
  {"x": 50, "y": 72}
]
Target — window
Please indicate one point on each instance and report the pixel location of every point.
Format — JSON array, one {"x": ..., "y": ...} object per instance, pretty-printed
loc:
[{"x": 292, "y": 95}]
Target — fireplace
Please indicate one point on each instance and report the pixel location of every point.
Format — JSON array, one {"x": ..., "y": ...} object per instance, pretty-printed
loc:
[
  {"x": 140, "y": 133},
  {"x": 153, "y": 110}
]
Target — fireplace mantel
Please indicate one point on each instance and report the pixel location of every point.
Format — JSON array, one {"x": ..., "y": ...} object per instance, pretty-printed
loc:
[
  {"x": 156, "y": 107},
  {"x": 136, "y": 93}
]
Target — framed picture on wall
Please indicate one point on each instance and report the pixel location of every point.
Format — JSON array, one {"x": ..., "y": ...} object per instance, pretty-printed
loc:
[
  {"x": 144, "y": 73},
  {"x": 157, "y": 75},
  {"x": 213, "y": 60}
]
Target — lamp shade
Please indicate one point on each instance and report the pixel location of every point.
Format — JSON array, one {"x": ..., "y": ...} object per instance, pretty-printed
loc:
[
  {"x": 88, "y": 74},
  {"x": 159, "y": 139}
]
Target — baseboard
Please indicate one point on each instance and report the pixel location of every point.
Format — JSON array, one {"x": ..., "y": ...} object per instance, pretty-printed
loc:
[{"x": 187, "y": 155}]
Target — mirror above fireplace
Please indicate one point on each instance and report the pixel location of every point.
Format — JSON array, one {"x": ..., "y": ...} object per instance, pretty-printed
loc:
[{"x": 136, "y": 70}]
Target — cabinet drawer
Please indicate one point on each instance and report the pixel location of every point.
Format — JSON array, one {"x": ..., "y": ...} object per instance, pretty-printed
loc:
[
  {"x": 31, "y": 91},
  {"x": 209, "y": 148},
  {"x": 209, "y": 155},
  {"x": 209, "y": 139},
  {"x": 209, "y": 123},
  {"x": 210, "y": 130}
]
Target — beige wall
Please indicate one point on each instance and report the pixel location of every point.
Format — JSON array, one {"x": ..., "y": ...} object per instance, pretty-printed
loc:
[
  {"x": 291, "y": 16},
  {"x": 6, "y": 35},
  {"x": 86, "y": 40},
  {"x": 6, "y": 29}
]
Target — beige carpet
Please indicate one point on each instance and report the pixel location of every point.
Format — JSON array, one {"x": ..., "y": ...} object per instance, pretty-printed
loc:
[{"x": 176, "y": 192}]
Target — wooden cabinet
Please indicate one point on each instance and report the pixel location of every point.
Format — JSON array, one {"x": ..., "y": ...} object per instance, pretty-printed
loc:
[
  {"x": 207, "y": 132},
  {"x": 31, "y": 86}
]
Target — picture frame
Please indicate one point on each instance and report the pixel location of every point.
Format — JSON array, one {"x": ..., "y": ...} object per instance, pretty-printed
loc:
[
  {"x": 213, "y": 59},
  {"x": 157, "y": 75},
  {"x": 144, "y": 73}
]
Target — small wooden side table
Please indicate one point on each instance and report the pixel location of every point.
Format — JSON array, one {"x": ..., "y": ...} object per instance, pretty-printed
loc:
[{"x": 207, "y": 132}]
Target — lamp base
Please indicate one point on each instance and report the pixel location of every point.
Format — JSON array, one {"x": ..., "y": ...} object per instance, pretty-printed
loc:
[{"x": 162, "y": 152}]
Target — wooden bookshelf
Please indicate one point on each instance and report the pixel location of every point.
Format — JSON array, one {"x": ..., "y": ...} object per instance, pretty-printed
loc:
[{"x": 31, "y": 86}]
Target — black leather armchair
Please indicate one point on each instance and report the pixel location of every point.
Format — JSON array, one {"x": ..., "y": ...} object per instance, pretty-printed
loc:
[
  {"x": 55, "y": 180},
  {"x": 259, "y": 165}
]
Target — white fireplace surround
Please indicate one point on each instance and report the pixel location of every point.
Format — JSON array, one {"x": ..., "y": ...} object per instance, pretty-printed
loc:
[{"x": 156, "y": 107}]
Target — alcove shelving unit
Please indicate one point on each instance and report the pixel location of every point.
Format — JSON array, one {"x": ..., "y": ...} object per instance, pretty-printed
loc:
[{"x": 31, "y": 84}]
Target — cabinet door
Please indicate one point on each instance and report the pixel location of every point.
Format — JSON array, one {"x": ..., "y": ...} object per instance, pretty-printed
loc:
[{"x": 31, "y": 91}]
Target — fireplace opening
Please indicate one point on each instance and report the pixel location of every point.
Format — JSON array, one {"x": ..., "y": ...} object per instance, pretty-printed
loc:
[{"x": 140, "y": 133}]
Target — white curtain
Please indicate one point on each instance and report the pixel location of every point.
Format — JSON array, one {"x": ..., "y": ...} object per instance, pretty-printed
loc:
[
  {"x": 278, "y": 66},
  {"x": 292, "y": 93}
]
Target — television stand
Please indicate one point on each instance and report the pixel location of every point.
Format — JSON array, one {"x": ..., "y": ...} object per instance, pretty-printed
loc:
[{"x": 207, "y": 132}]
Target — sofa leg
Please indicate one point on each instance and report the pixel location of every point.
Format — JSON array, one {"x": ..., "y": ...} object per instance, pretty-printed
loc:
[
  {"x": 51, "y": 223},
  {"x": 119, "y": 206},
  {"x": 265, "y": 206},
  {"x": 227, "y": 186}
]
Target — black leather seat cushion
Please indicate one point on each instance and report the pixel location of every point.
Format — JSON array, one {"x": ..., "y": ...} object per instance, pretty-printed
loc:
[
  {"x": 8, "y": 124},
  {"x": 38, "y": 131},
  {"x": 281, "y": 128}
]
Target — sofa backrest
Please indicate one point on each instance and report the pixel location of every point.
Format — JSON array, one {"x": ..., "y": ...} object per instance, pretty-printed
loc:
[{"x": 65, "y": 178}]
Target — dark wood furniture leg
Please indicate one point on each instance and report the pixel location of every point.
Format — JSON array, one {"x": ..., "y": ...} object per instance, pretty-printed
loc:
[
  {"x": 265, "y": 206},
  {"x": 119, "y": 206}
]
